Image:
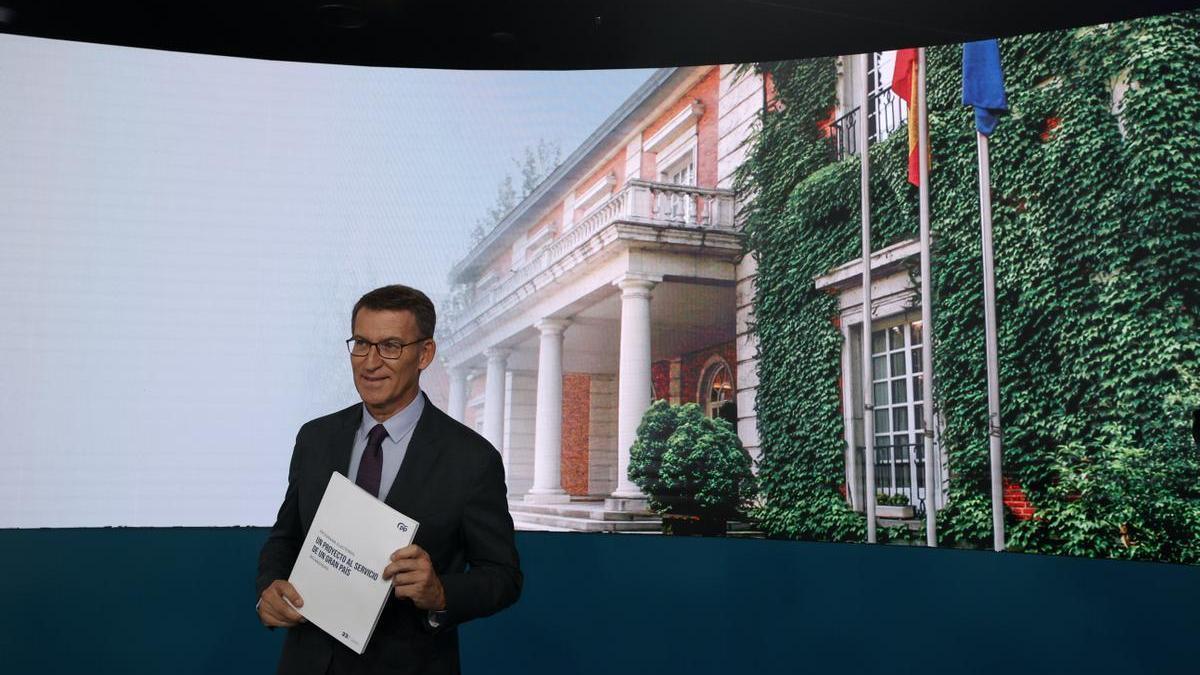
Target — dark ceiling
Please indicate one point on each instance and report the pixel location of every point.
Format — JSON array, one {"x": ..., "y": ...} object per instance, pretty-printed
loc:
[{"x": 547, "y": 34}]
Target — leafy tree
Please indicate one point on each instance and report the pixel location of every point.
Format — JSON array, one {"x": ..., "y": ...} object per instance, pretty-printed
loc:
[
  {"x": 506, "y": 200},
  {"x": 538, "y": 162}
]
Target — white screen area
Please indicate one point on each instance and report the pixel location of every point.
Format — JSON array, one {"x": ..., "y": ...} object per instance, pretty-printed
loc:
[{"x": 182, "y": 238}]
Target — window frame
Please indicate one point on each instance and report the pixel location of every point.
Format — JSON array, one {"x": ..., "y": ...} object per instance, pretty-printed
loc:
[{"x": 708, "y": 374}]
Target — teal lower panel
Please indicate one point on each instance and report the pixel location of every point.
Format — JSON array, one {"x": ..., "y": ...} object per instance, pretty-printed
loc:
[{"x": 181, "y": 600}]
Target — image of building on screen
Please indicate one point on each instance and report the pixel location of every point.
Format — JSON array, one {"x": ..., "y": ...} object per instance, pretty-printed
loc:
[
  {"x": 703, "y": 247},
  {"x": 626, "y": 265}
]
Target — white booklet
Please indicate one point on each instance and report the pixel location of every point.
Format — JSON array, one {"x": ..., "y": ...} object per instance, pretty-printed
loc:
[{"x": 339, "y": 572}]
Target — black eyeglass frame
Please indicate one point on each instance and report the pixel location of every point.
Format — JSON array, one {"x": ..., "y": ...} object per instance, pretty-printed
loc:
[{"x": 350, "y": 347}]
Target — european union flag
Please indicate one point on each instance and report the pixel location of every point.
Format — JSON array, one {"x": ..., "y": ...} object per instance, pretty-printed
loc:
[{"x": 983, "y": 84}]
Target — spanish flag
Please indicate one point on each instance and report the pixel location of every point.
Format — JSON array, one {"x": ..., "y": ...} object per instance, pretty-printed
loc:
[{"x": 904, "y": 83}]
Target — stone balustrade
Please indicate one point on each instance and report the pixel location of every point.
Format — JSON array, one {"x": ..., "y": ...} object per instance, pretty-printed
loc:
[{"x": 639, "y": 202}]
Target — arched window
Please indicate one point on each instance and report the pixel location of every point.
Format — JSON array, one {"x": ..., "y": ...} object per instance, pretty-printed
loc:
[{"x": 716, "y": 391}]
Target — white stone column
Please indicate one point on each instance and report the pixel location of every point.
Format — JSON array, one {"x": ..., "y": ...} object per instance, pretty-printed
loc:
[
  {"x": 457, "y": 405},
  {"x": 520, "y": 407},
  {"x": 547, "y": 435},
  {"x": 633, "y": 387},
  {"x": 493, "y": 397}
]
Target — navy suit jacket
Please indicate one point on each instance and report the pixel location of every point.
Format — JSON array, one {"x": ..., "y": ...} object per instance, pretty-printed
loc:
[{"x": 452, "y": 483}]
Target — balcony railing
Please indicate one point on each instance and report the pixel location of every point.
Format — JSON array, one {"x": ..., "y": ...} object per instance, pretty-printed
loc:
[
  {"x": 886, "y": 114},
  {"x": 899, "y": 470},
  {"x": 638, "y": 202}
]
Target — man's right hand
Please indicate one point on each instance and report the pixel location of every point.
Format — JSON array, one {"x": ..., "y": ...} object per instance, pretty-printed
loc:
[{"x": 273, "y": 607}]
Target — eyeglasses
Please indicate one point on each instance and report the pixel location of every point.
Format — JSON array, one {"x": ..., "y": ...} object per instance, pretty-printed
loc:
[{"x": 388, "y": 349}]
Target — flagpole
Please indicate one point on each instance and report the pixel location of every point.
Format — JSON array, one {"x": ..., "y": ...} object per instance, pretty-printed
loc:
[
  {"x": 989, "y": 329},
  {"x": 868, "y": 382},
  {"x": 931, "y": 473}
]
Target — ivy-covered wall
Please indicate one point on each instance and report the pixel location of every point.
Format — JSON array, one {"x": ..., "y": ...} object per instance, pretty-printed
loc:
[{"x": 1097, "y": 237}]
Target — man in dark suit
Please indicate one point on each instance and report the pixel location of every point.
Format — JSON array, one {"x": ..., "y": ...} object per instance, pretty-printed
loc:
[{"x": 396, "y": 444}]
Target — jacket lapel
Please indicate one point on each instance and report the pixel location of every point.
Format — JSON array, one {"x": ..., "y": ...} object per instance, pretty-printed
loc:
[
  {"x": 343, "y": 442},
  {"x": 419, "y": 459}
]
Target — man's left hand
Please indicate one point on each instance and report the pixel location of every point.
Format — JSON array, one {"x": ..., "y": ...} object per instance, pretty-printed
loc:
[{"x": 412, "y": 575}]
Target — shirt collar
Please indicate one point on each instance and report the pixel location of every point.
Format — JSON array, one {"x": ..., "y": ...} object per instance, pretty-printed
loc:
[{"x": 399, "y": 425}]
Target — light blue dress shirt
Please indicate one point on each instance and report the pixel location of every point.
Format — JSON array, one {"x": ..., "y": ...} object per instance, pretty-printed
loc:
[{"x": 400, "y": 429}]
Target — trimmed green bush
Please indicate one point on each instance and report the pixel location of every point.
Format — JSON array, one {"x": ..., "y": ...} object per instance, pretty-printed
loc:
[{"x": 689, "y": 463}]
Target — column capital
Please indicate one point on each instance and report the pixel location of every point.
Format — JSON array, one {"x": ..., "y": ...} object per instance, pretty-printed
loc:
[
  {"x": 458, "y": 371},
  {"x": 496, "y": 354},
  {"x": 552, "y": 326},
  {"x": 636, "y": 285}
]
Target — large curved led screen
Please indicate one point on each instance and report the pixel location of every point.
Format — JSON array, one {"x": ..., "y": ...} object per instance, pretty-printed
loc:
[{"x": 650, "y": 285}]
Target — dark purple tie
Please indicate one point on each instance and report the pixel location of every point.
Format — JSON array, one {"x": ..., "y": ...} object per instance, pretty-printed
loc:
[{"x": 370, "y": 467}]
